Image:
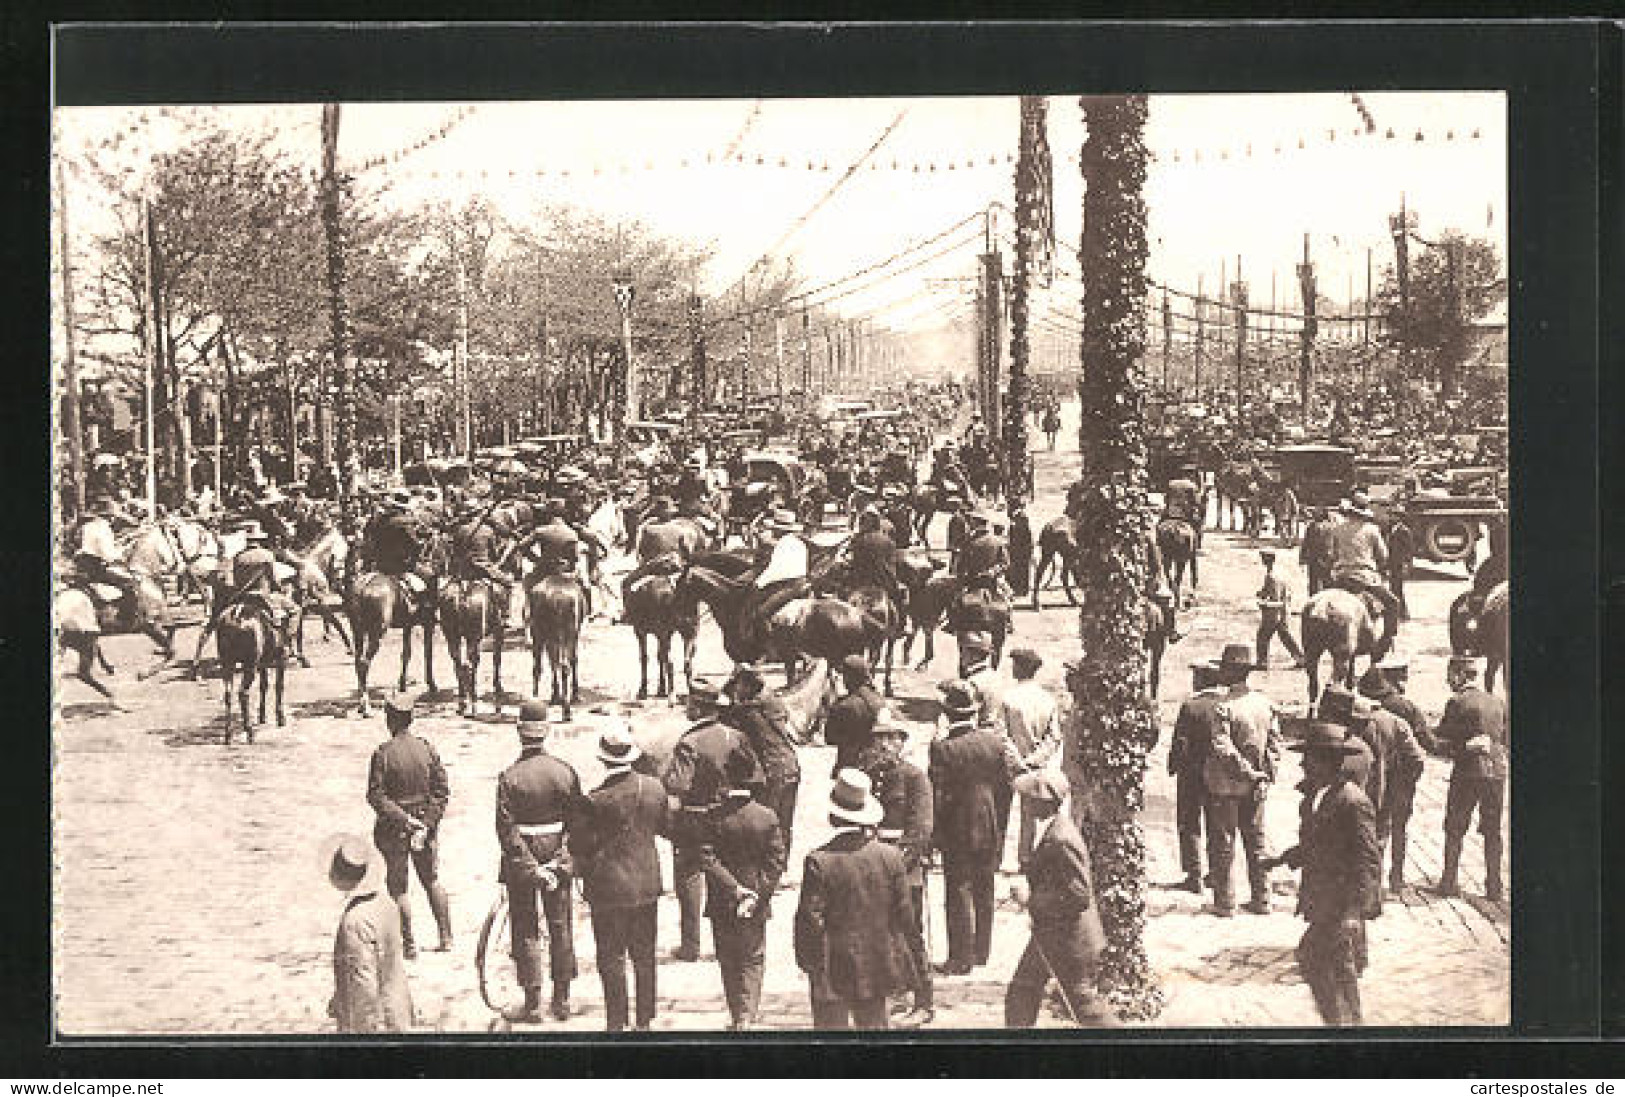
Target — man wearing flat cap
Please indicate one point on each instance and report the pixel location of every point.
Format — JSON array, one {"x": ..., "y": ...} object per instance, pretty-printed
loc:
[
  {"x": 1473, "y": 734},
  {"x": 370, "y": 992},
  {"x": 1238, "y": 772},
  {"x": 537, "y": 799},
  {"x": 854, "y": 927},
  {"x": 1403, "y": 761},
  {"x": 407, "y": 788},
  {"x": 904, "y": 792},
  {"x": 1342, "y": 870},
  {"x": 613, "y": 846},
  {"x": 697, "y": 776},
  {"x": 970, "y": 780},
  {"x": 1067, "y": 936}
]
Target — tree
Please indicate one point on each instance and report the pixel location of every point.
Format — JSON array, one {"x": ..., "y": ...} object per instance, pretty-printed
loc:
[
  {"x": 1450, "y": 284},
  {"x": 1114, "y": 722}
]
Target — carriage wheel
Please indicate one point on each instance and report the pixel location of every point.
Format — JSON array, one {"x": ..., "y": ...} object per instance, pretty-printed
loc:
[{"x": 493, "y": 958}]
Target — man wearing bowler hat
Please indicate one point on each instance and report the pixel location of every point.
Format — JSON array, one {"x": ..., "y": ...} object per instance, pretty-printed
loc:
[
  {"x": 697, "y": 777},
  {"x": 537, "y": 799},
  {"x": 1238, "y": 773},
  {"x": 613, "y": 846},
  {"x": 1067, "y": 936},
  {"x": 370, "y": 992},
  {"x": 854, "y": 928},
  {"x": 407, "y": 788},
  {"x": 1342, "y": 867}
]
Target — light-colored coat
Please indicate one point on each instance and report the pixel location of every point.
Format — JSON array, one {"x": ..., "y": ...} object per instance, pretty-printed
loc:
[{"x": 370, "y": 993}]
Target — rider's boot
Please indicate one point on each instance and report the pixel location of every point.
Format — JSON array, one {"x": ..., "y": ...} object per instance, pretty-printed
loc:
[
  {"x": 409, "y": 944},
  {"x": 530, "y": 1010}
]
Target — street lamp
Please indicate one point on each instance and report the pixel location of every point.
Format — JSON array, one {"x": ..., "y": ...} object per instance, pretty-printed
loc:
[{"x": 621, "y": 280}]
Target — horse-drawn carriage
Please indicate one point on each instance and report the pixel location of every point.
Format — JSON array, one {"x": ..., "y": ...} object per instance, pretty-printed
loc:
[{"x": 1320, "y": 475}]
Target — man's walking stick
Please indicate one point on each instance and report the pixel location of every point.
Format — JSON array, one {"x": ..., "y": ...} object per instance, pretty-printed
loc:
[{"x": 1066, "y": 999}]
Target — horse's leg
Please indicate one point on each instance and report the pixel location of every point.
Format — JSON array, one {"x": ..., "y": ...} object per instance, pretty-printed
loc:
[
  {"x": 575, "y": 664},
  {"x": 1066, "y": 581},
  {"x": 643, "y": 667},
  {"x": 496, "y": 665},
  {"x": 366, "y": 646},
  {"x": 164, "y": 637},
  {"x": 1196, "y": 552},
  {"x": 891, "y": 647},
  {"x": 690, "y": 642},
  {"x": 1311, "y": 664},
  {"x": 428, "y": 655},
  {"x": 245, "y": 686},
  {"x": 281, "y": 675},
  {"x": 536, "y": 658},
  {"x": 265, "y": 685},
  {"x": 88, "y": 655},
  {"x": 329, "y": 617},
  {"x": 227, "y": 676},
  {"x": 406, "y": 653}
]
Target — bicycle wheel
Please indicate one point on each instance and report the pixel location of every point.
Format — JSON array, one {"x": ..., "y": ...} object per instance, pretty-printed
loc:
[{"x": 493, "y": 958}]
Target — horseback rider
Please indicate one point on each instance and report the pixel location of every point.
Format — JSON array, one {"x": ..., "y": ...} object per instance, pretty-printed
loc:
[
  {"x": 1360, "y": 561},
  {"x": 99, "y": 559},
  {"x": 476, "y": 544},
  {"x": 872, "y": 559},
  {"x": 554, "y": 548},
  {"x": 788, "y": 564},
  {"x": 983, "y": 560},
  {"x": 392, "y": 543},
  {"x": 661, "y": 543}
]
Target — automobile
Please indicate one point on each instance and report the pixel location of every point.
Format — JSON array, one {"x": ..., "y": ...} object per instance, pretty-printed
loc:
[
  {"x": 783, "y": 470},
  {"x": 549, "y": 448},
  {"x": 1319, "y": 474}
]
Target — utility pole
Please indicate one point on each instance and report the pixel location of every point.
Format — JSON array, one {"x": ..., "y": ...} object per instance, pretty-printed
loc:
[
  {"x": 992, "y": 285},
  {"x": 543, "y": 385},
  {"x": 333, "y": 226},
  {"x": 696, "y": 335},
  {"x": 1238, "y": 294},
  {"x": 1368, "y": 297},
  {"x": 1167, "y": 340},
  {"x": 1306, "y": 283},
  {"x": 70, "y": 361},
  {"x": 1201, "y": 336},
  {"x": 621, "y": 283},
  {"x": 778, "y": 358},
  {"x": 806, "y": 355},
  {"x": 149, "y": 360},
  {"x": 1399, "y": 227}
]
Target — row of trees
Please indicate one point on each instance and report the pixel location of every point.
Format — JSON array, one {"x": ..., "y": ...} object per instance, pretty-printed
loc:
[{"x": 217, "y": 272}]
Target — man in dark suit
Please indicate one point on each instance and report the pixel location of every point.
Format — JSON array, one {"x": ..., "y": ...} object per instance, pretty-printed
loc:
[
  {"x": 904, "y": 793},
  {"x": 1473, "y": 733},
  {"x": 1067, "y": 936},
  {"x": 763, "y": 720},
  {"x": 744, "y": 857},
  {"x": 1397, "y": 673},
  {"x": 407, "y": 787},
  {"x": 614, "y": 848},
  {"x": 850, "y": 724},
  {"x": 967, "y": 772},
  {"x": 854, "y": 927},
  {"x": 537, "y": 799},
  {"x": 696, "y": 777},
  {"x": 1194, "y": 729},
  {"x": 1342, "y": 871},
  {"x": 1403, "y": 761}
]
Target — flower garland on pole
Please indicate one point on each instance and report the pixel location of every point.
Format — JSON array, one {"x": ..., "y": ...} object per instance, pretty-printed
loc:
[
  {"x": 1034, "y": 240},
  {"x": 1114, "y": 721},
  {"x": 334, "y": 192}
]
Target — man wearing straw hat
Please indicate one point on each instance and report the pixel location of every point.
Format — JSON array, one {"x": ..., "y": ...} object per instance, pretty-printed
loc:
[
  {"x": 1067, "y": 936},
  {"x": 854, "y": 928},
  {"x": 1359, "y": 563},
  {"x": 1342, "y": 868},
  {"x": 613, "y": 845},
  {"x": 536, "y": 799},
  {"x": 370, "y": 992}
]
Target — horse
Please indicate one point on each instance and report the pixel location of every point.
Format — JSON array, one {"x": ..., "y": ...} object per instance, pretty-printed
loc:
[
  {"x": 980, "y": 610},
  {"x": 652, "y": 609},
  {"x": 930, "y": 500},
  {"x": 1057, "y": 544},
  {"x": 873, "y": 602},
  {"x": 823, "y": 628},
  {"x": 929, "y": 596},
  {"x": 1339, "y": 623},
  {"x": 470, "y": 610},
  {"x": 319, "y": 571},
  {"x": 1176, "y": 542},
  {"x": 251, "y": 642},
  {"x": 1484, "y": 632},
  {"x": 82, "y": 621},
  {"x": 1236, "y": 486},
  {"x": 176, "y": 548},
  {"x": 377, "y": 604},
  {"x": 557, "y": 606}
]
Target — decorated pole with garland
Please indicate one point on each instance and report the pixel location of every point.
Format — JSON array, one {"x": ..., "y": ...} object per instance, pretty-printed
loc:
[
  {"x": 1032, "y": 190},
  {"x": 1114, "y": 721},
  {"x": 335, "y": 188}
]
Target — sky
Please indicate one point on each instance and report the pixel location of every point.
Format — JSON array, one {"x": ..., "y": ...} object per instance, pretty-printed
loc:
[{"x": 1211, "y": 200}]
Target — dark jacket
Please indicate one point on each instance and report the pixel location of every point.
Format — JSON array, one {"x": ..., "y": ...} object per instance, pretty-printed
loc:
[
  {"x": 850, "y": 724},
  {"x": 1409, "y": 711},
  {"x": 370, "y": 992},
  {"x": 1467, "y": 715},
  {"x": 1397, "y": 757},
  {"x": 1315, "y": 553},
  {"x": 1061, "y": 890},
  {"x": 967, "y": 772},
  {"x": 1194, "y": 729},
  {"x": 745, "y": 851},
  {"x": 699, "y": 763},
  {"x": 1338, "y": 852},
  {"x": 983, "y": 555},
  {"x": 855, "y": 920},
  {"x": 765, "y": 724},
  {"x": 393, "y": 543},
  {"x": 538, "y": 790},
  {"x": 405, "y": 780},
  {"x": 874, "y": 558},
  {"x": 613, "y": 841},
  {"x": 904, "y": 791}
]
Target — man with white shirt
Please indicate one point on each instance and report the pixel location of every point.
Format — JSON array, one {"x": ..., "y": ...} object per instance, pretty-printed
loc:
[{"x": 1032, "y": 722}]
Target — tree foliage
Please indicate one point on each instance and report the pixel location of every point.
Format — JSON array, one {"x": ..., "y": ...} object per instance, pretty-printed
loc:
[{"x": 1451, "y": 283}]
